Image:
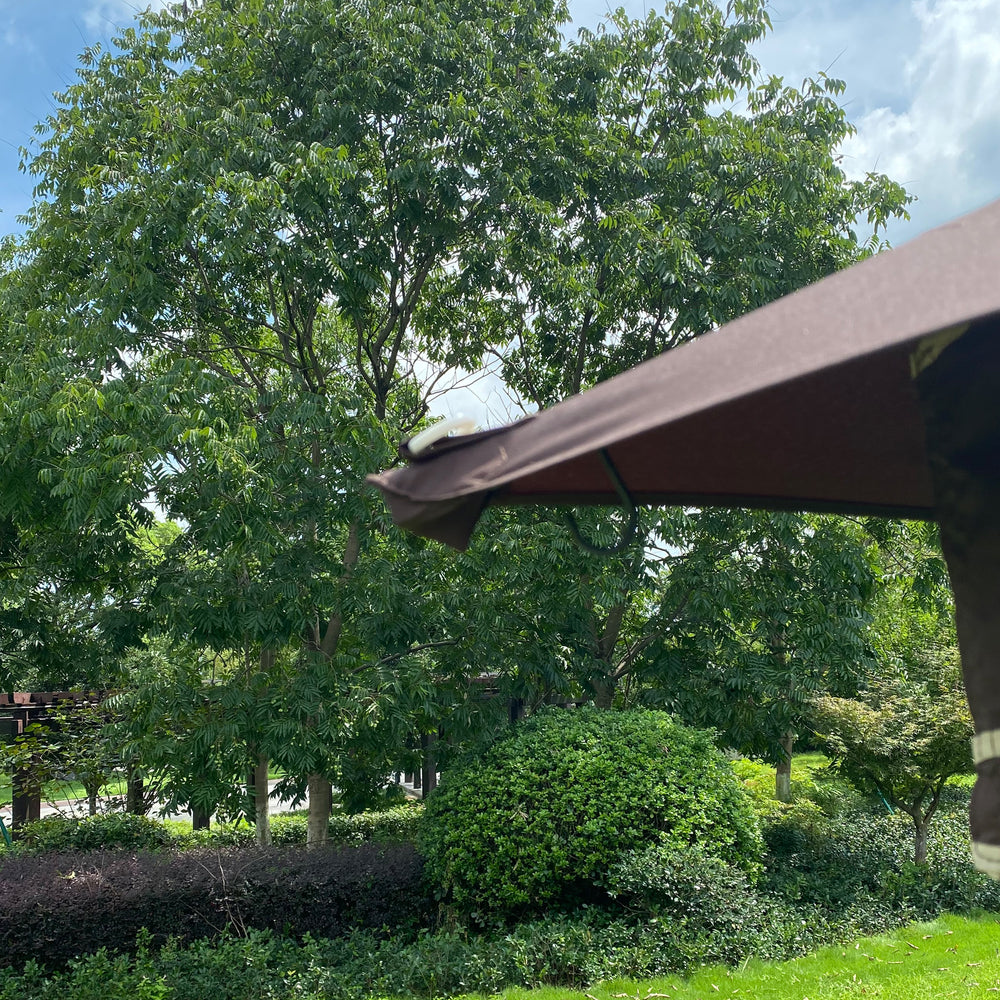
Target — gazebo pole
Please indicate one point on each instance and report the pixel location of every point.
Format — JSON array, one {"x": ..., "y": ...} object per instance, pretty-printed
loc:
[{"x": 959, "y": 392}]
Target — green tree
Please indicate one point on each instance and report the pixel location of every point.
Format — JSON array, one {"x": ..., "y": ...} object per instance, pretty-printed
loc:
[
  {"x": 902, "y": 740},
  {"x": 909, "y": 728},
  {"x": 257, "y": 225},
  {"x": 63, "y": 749},
  {"x": 244, "y": 245},
  {"x": 697, "y": 216},
  {"x": 776, "y": 613}
]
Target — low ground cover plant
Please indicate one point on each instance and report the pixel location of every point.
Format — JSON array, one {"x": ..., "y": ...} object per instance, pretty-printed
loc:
[{"x": 951, "y": 956}]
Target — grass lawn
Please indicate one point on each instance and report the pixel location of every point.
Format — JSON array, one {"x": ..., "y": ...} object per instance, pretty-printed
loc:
[
  {"x": 951, "y": 957},
  {"x": 809, "y": 762},
  {"x": 58, "y": 791}
]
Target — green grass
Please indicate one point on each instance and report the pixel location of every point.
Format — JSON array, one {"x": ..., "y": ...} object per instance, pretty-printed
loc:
[
  {"x": 60, "y": 791},
  {"x": 951, "y": 957},
  {"x": 809, "y": 763}
]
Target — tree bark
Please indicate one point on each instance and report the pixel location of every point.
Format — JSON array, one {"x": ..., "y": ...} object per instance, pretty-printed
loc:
[
  {"x": 605, "y": 685},
  {"x": 920, "y": 828},
  {"x": 258, "y": 784},
  {"x": 201, "y": 819},
  {"x": 783, "y": 772},
  {"x": 326, "y": 645},
  {"x": 26, "y": 803},
  {"x": 604, "y": 692},
  {"x": 261, "y": 801},
  {"x": 135, "y": 800},
  {"x": 429, "y": 766},
  {"x": 320, "y": 806}
]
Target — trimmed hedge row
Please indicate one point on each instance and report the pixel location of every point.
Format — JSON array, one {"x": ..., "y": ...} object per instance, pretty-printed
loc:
[
  {"x": 141, "y": 833},
  {"x": 398, "y": 825},
  {"x": 56, "y": 907},
  {"x": 114, "y": 831}
]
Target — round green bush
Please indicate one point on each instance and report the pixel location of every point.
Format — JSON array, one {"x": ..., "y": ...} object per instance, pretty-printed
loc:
[{"x": 543, "y": 814}]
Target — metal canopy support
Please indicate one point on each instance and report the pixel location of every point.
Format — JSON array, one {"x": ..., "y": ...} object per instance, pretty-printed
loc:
[{"x": 960, "y": 398}]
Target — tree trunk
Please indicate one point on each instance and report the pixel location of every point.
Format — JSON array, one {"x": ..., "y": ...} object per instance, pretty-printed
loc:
[
  {"x": 920, "y": 827},
  {"x": 326, "y": 645},
  {"x": 604, "y": 692},
  {"x": 320, "y": 807},
  {"x": 605, "y": 642},
  {"x": 92, "y": 800},
  {"x": 783, "y": 772},
  {"x": 429, "y": 767},
  {"x": 135, "y": 800},
  {"x": 26, "y": 803},
  {"x": 201, "y": 819},
  {"x": 260, "y": 792}
]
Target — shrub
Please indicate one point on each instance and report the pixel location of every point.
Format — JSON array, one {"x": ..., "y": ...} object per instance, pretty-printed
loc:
[
  {"x": 58, "y": 906},
  {"x": 816, "y": 793},
  {"x": 685, "y": 884},
  {"x": 548, "y": 808},
  {"x": 397, "y": 825},
  {"x": 700, "y": 909},
  {"x": 219, "y": 835},
  {"x": 121, "y": 831},
  {"x": 857, "y": 869}
]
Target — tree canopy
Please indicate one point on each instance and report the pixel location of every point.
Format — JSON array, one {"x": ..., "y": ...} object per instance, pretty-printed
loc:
[{"x": 263, "y": 232}]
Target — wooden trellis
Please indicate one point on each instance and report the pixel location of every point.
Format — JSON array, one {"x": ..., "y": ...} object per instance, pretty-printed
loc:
[{"x": 19, "y": 710}]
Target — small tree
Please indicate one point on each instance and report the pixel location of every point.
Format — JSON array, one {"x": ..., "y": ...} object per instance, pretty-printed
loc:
[
  {"x": 775, "y": 614},
  {"x": 903, "y": 741}
]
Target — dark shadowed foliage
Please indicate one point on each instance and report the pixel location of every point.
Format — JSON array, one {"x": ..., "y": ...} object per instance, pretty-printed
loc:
[{"x": 56, "y": 907}]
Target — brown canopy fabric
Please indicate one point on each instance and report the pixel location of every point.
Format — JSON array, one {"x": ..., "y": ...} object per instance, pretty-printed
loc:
[
  {"x": 807, "y": 403},
  {"x": 876, "y": 390}
]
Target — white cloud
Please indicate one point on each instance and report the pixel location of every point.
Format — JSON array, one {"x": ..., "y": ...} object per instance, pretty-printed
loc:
[
  {"x": 923, "y": 88},
  {"x": 103, "y": 15},
  {"x": 866, "y": 44},
  {"x": 944, "y": 143},
  {"x": 13, "y": 36}
]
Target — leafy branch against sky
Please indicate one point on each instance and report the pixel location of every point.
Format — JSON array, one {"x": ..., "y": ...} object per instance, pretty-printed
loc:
[{"x": 923, "y": 84}]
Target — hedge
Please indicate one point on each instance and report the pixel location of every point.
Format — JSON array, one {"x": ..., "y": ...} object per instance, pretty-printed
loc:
[
  {"x": 55, "y": 907},
  {"x": 398, "y": 825},
  {"x": 670, "y": 913}
]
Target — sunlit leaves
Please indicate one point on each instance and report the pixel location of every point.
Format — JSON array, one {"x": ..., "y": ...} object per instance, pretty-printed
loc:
[{"x": 261, "y": 227}]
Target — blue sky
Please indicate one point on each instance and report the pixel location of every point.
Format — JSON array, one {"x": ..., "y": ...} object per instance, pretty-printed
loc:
[{"x": 923, "y": 85}]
